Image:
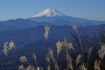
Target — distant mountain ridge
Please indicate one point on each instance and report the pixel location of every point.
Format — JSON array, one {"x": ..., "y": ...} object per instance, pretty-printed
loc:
[{"x": 49, "y": 17}]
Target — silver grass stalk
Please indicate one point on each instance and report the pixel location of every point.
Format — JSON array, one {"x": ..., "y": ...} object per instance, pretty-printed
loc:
[
  {"x": 75, "y": 28},
  {"x": 80, "y": 42},
  {"x": 48, "y": 67},
  {"x": 54, "y": 60},
  {"x": 23, "y": 59},
  {"x": 82, "y": 67},
  {"x": 51, "y": 53},
  {"x": 68, "y": 57},
  {"x": 48, "y": 60},
  {"x": 30, "y": 67},
  {"x": 39, "y": 68},
  {"x": 66, "y": 46},
  {"x": 5, "y": 50},
  {"x": 101, "y": 51},
  {"x": 7, "y": 47},
  {"x": 35, "y": 58},
  {"x": 47, "y": 30},
  {"x": 69, "y": 62},
  {"x": 78, "y": 59},
  {"x": 12, "y": 45},
  {"x": 97, "y": 65},
  {"x": 59, "y": 47},
  {"x": 21, "y": 67},
  {"x": 70, "y": 46}
]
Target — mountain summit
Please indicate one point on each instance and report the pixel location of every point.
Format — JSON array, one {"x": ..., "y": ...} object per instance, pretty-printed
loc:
[{"x": 50, "y": 12}]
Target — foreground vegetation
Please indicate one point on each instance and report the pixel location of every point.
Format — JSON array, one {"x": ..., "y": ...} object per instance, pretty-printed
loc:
[{"x": 75, "y": 60}]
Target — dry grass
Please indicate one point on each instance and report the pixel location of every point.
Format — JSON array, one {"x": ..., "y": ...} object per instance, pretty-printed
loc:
[
  {"x": 8, "y": 46},
  {"x": 47, "y": 30},
  {"x": 71, "y": 62}
]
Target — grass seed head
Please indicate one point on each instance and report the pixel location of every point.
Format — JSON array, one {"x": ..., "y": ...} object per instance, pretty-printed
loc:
[
  {"x": 21, "y": 67},
  {"x": 47, "y": 30},
  {"x": 23, "y": 59},
  {"x": 101, "y": 51},
  {"x": 75, "y": 28}
]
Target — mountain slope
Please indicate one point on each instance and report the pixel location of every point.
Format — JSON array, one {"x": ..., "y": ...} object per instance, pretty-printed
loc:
[
  {"x": 18, "y": 24},
  {"x": 25, "y": 36}
]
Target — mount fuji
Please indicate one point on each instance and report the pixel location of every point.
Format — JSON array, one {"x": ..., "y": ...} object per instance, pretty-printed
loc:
[
  {"x": 50, "y": 12},
  {"x": 54, "y": 17}
]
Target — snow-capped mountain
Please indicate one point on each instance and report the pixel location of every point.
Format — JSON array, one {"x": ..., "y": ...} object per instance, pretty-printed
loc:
[
  {"x": 50, "y": 12},
  {"x": 54, "y": 17}
]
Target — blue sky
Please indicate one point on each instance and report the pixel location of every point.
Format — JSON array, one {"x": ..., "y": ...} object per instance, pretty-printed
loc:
[{"x": 89, "y": 9}]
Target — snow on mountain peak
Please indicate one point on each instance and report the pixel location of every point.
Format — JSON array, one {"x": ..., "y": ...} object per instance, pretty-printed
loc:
[{"x": 50, "y": 12}]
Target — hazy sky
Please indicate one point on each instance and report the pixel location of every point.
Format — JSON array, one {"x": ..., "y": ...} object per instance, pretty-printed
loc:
[{"x": 90, "y": 9}]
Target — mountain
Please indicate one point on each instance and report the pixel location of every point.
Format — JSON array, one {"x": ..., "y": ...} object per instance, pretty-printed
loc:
[
  {"x": 50, "y": 12},
  {"x": 55, "y": 17}
]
